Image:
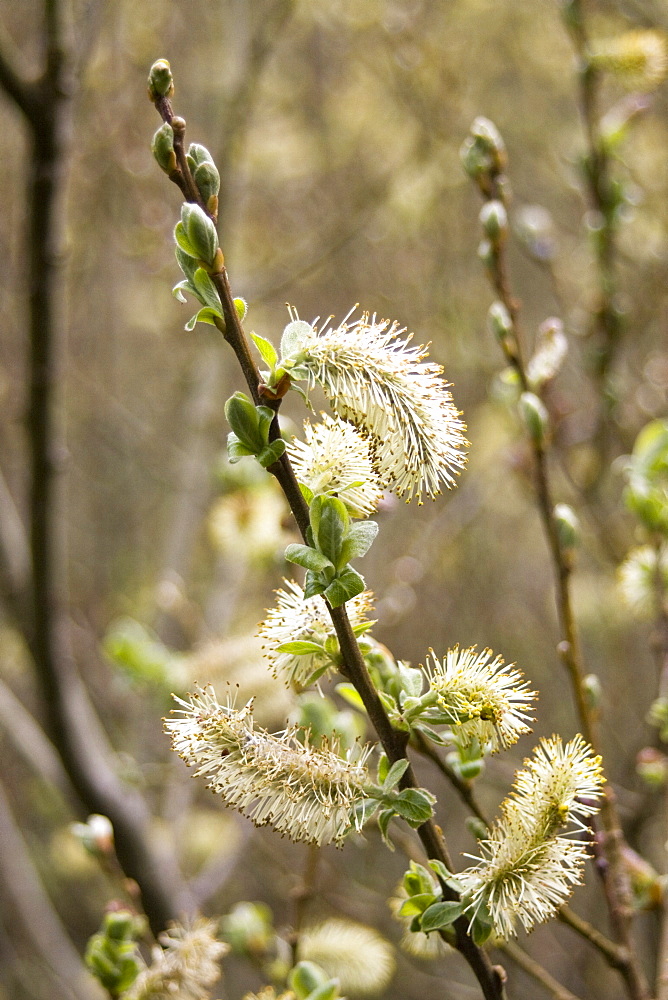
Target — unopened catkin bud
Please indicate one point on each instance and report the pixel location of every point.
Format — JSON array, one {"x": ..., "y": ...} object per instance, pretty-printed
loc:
[
  {"x": 535, "y": 416},
  {"x": 162, "y": 148},
  {"x": 494, "y": 221},
  {"x": 499, "y": 321},
  {"x": 568, "y": 527},
  {"x": 592, "y": 690},
  {"x": 160, "y": 80},
  {"x": 489, "y": 139}
]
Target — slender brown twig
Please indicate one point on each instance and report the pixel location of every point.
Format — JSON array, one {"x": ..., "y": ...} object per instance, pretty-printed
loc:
[{"x": 393, "y": 741}]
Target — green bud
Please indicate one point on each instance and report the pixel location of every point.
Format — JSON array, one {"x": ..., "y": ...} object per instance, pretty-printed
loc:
[
  {"x": 162, "y": 148},
  {"x": 160, "y": 80},
  {"x": 476, "y": 826},
  {"x": 305, "y": 978},
  {"x": 197, "y": 154},
  {"x": 119, "y": 924},
  {"x": 652, "y": 766},
  {"x": 200, "y": 233},
  {"x": 568, "y": 527},
  {"x": 500, "y": 321},
  {"x": 486, "y": 254},
  {"x": 241, "y": 307},
  {"x": 534, "y": 415},
  {"x": 489, "y": 137},
  {"x": 592, "y": 690},
  {"x": 207, "y": 179},
  {"x": 494, "y": 220}
]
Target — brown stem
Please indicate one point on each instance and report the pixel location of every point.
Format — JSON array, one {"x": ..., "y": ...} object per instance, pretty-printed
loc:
[
  {"x": 615, "y": 879},
  {"x": 536, "y": 971},
  {"x": 393, "y": 741},
  {"x": 71, "y": 723}
]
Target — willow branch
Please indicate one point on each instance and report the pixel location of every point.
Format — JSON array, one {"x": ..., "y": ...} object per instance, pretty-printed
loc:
[
  {"x": 536, "y": 971},
  {"x": 615, "y": 878},
  {"x": 353, "y": 667}
]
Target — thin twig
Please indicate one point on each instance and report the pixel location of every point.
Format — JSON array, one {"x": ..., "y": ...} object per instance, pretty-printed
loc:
[
  {"x": 354, "y": 667},
  {"x": 536, "y": 971}
]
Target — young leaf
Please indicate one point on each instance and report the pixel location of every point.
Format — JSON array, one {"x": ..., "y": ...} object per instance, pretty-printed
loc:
[
  {"x": 300, "y": 647},
  {"x": 358, "y": 540},
  {"x": 182, "y": 241},
  {"x": 350, "y": 694},
  {"x": 271, "y": 453},
  {"x": 313, "y": 584},
  {"x": 383, "y": 825},
  {"x": 395, "y": 774},
  {"x": 440, "y": 915},
  {"x": 414, "y": 806},
  {"x": 205, "y": 315},
  {"x": 206, "y": 290},
  {"x": 383, "y": 767},
  {"x": 417, "y": 904},
  {"x": 344, "y": 587},
  {"x": 235, "y": 449},
  {"x": 304, "y": 555},
  {"x": 331, "y": 530},
  {"x": 267, "y": 350}
]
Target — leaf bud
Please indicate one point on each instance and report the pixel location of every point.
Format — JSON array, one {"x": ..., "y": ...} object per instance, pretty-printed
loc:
[
  {"x": 207, "y": 179},
  {"x": 305, "y": 978},
  {"x": 200, "y": 233},
  {"x": 241, "y": 307},
  {"x": 476, "y": 827},
  {"x": 488, "y": 140},
  {"x": 162, "y": 148},
  {"x": 500, "y": 321},
  {"x": 592, "y": 690},
  {"x": 494, "y": 221},
  {"x": 535, "y": 416},
  {"x": 568, "y": 527},
  {"x": 119, "y": 925},
  {"x": 160, "y": 80},
  {"x": 652, "y": 766}
]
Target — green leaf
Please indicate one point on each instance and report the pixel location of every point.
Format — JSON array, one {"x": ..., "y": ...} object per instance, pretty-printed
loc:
[
  {"x": 271, "y": 453},
  {"x": 383, "y": 767},
  {"x": 414, "y": 806},
  {"x": 183, "y": 286},
  {"x": 205, "y": 315},
  {"x": 440, "y": 869},
  {"x": 304, "y": 555},
  {"x": 306, "y": 492},
  {"x": 207, "y": 290},
  {"x": 267, "y": 350},
  {"x": 416, "y": 905},
  {"x": 187, "y": 264},
  {"x": 432, "y": 735},
  {"x": 344, "y": 587},
  {"x": 244, "y": 420},
  {"x": 383, "y": 825},
  {"x": 350, "y": 694},
  {"x": 440, "y": 915},
  {"x": 183, "y": 243},
  {"x": 236, "y": 450},
  {"x": 363, "y": 627},
  {"x": 300, "y": 647},
  {"x": 328, "y": 991},
  {"x": 331, "y": 529},
  {"x": 395, "y": 774},
  {"x": 480, "y": 931},
  {"x": 359, "y": 539},
  {"x": 412, "y": 680},
  {"x": 313, "y": 585}
]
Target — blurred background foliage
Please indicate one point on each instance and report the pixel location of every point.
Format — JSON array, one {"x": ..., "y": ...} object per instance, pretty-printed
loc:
[{"x": 336, "y": 126}]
